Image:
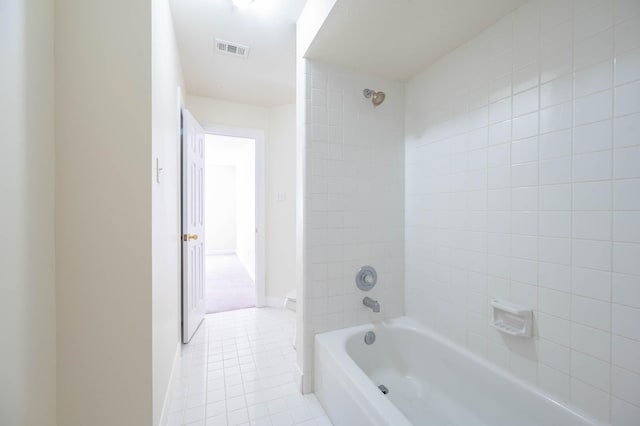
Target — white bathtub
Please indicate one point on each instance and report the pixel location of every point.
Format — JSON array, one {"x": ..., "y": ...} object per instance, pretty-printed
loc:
[{"x": 430, "y": 382}]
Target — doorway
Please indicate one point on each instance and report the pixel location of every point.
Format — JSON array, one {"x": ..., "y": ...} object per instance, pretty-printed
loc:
[{"x": 234, "y": 218}]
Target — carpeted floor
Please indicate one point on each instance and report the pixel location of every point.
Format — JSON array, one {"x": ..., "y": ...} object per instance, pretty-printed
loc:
[{"x": 228, "y": 285}]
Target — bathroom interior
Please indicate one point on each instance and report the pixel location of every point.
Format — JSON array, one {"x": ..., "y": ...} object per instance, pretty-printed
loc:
[
  {"x": 496, "y": 193},
  {"x": 452, "y": 189}
]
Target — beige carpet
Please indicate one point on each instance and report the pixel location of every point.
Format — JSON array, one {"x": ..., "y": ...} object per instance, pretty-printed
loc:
[{"x": 228, "y": 285}]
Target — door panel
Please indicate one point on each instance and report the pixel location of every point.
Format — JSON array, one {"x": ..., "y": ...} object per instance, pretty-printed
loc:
[{"x": 193, "y": 300}]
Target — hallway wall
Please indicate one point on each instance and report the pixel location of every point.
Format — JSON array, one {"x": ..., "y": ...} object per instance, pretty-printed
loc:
[
  {"x": 27, "y": 175},
  {"x": 103, "y": 212},
  {"x": 167, "y": 95}
]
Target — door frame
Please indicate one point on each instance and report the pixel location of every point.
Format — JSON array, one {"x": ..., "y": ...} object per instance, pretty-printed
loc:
[{"x": 258, "y": 137}]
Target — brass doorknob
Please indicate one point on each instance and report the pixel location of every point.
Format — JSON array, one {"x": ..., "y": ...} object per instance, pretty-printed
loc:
[{"x": 187, "y": 237}]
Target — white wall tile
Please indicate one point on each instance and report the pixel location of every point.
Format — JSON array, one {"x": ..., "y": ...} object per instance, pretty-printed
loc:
[
  {"x": 627, "y": 99},
  {"x": 555, "y": 303},
  {"x": 593, "y": 50},
  {"x": 525, "y": 126},
  {"x": 623, "y": 413},
  {"x": 627, "y": 34},
  {"x": 591, "y": 341},
  {"x": 594, "y": 78},
  {"x": 556, "y": 62},
  {"x": 592, "y": 225},
  {"x": 625, "y": 9},
  {"x": 626, "y": 289},
  {"x": 524, "y": 174},
  {"x": 591, "y": 283},
  {"x": 500, "y": 111},
  {"x": 555, "y": 144},
  {"x": 592, "y": 166},
  {"x": 554, "y": 224},
  {"x": 554, "y": 276},
  {"x": 557, "y": 117},
  {"x": 625, "y": 321},
  {"x": 590, "y": 370},
  {"x": 555, "y": 382},
  {"x": 555, "y": 356},
  {"x": 593, "y": 313},
  {"x": 628, "y": 66},
  {"x": 626, "y": 162},
  {"x": 556, "y": 91},
  {"x": 595, "y": 107},
  {"x": 525, "y": 102},
  {"x": 625, "y": 258},
  {"x": 556, "y": 190},
  {"x": 625, "y": 353},
  {"x": 526, "y": 77},
  {"x": 555, "y": 171},
  {"x": 592, "y": 254},
  {"x": 626, "y": 385},
  {"x": 592, "y": 19},
  {"x": 556, "y": 329},
  {"x": 555, "y": 197},
  {"x": 592, "y": 196},
  {"x": 499, "y": 155},
  {"x": 524, "y": 150},
  {"x": 592, "y": 400},
  {"x": 592, "y": 137},
  {"x": 555, "y": 250},
  {"x": 626, "y": 130},
  {"x": 625, "y": 194}
]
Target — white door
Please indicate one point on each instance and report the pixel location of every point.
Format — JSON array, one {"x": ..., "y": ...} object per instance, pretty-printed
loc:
[{"x": 193, "y": 302}]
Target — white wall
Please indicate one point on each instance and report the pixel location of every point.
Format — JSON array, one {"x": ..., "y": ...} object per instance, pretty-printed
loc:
[
  {"x": 281, "y": 195},
  {"x": 246, "y": 207},
  {"x": 353, "y": 197},
  {"x": 522, "y": 183},
  {"x": 278, "y": 123},
  {"x": 103, "y": 213},
  {"x": 220, "y": 208},
  {"x": 27, "y": 176},
  {"x": 165, "y": 210}
]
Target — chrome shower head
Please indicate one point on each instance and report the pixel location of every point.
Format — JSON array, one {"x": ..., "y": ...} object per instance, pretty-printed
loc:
[{"x": 376, "y": 97}]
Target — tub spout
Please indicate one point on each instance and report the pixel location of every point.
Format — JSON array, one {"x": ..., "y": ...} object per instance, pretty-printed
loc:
[{"x": 370, "y": 303}]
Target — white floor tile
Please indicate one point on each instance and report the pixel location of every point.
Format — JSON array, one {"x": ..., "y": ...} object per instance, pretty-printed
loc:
[{"x": 238, "y": 370}]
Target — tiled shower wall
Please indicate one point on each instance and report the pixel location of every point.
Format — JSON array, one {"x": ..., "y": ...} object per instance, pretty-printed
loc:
[
  {"x": 523, "y": 183},
  {"x": 353, "y": 199}
]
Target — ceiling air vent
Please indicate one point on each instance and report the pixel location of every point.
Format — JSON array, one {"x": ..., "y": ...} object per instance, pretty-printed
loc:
[{"x": 233, "y": 49}]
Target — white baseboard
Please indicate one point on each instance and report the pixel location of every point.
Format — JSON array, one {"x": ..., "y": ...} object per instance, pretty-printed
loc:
[
  {"x": 165, "y": 406},
  {"x": 299, "y": 378}
]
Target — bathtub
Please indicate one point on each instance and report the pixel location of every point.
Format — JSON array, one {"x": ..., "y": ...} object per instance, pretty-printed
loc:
[{"x": 430, "y": 381}]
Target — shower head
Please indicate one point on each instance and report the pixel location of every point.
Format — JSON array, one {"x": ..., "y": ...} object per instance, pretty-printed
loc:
[{"x": 376, "y": 97}]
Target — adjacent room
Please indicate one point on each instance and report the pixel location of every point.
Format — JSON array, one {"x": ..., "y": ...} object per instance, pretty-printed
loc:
[{"x": 230, "y": 223}]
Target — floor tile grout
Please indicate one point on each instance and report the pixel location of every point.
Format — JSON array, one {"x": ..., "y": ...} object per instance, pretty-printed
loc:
[{"x": 239, "y": 369}]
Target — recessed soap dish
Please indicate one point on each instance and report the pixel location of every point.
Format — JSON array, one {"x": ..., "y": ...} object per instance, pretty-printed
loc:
[{"x": 512, "y": 319}]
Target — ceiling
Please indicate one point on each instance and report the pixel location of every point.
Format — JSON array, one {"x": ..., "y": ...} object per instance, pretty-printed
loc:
[
  {"x": 393, "y": 39},
  {"x": 396, "y": 39},
  {"x": 266, "y": 77}
]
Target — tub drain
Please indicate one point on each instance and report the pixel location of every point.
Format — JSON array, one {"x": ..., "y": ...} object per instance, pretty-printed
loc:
[{"x": 383, "y": 389}]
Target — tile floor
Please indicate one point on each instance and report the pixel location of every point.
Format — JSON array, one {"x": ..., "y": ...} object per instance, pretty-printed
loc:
[
  {"x": 239, "y": 369},
  {"x": 228, "y": 285}
]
